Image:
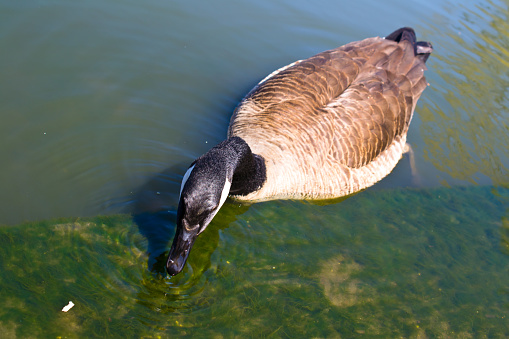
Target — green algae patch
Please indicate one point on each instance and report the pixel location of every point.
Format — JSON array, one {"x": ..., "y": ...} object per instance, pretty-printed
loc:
[
  {"x": 383, "y": 263},
  {"x": 47, "y": 264}
]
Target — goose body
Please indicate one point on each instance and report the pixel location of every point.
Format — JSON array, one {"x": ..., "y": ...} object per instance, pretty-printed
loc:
[{"x": 319, "y": 128}]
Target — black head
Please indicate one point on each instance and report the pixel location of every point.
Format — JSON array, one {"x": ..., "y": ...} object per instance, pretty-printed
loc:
[
  {"x": 206, "y": 186},
  {"x": 204, "y": 190}
]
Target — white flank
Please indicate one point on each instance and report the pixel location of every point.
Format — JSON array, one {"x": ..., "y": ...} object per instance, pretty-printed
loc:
[
  {"x": 186, "y": 176},
  {"x": 68, "y": 306}
]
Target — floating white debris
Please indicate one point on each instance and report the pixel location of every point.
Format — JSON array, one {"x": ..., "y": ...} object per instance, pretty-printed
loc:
[{"x": 68, "y": 306}]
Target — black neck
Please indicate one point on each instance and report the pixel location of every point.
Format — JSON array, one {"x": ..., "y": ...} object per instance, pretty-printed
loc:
[{"x": 249, "y": 172}]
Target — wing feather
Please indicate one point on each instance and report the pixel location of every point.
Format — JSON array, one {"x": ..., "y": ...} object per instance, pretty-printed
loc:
[{"x": 343, "y": 106}]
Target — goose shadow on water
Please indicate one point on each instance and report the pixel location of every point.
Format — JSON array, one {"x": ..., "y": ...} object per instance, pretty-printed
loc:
[{"x": 154, "y": 211}]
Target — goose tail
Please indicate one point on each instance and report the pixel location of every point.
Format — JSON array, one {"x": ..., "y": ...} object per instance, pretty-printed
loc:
[{"x": 422, "y": 49}]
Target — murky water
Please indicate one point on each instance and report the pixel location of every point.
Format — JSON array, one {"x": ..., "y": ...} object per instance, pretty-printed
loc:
[{"x": 105, "y": 103}]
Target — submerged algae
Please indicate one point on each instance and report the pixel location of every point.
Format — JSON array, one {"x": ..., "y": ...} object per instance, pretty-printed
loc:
[{"x": 382, "y": 263}]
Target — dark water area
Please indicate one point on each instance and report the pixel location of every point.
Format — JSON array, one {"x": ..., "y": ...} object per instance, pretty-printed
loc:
[
  {"x": 98, "y": 97},
  {"x": 105, "y": 103}
]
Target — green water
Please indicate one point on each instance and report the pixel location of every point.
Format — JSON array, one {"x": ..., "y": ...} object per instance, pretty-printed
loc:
[
  {"x": 382, "y": 265},
  {"x": 105, "y": 103}
]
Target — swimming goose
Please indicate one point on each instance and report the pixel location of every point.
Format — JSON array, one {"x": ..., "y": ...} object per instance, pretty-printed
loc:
[{"x": 319, "y": 128}]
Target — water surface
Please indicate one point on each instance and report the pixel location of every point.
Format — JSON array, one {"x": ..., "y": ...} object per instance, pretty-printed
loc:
[
  {"x": 105, "y": 103},
  {"x": 99, "y": 96}
]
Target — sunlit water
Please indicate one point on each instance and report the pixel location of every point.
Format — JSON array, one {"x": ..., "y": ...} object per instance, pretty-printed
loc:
[{"x": 105, "y": 103}]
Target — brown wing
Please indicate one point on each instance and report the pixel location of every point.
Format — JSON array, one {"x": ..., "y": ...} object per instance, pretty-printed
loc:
[
  {"x": 378, "y": 105},
  {"x": 344, "y": 105}
]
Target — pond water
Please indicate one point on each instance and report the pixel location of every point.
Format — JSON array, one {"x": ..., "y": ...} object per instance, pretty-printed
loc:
[{"x": 105, "y": 103}]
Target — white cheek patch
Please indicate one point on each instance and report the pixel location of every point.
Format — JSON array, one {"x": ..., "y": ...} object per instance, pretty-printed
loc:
[
  {"x": 184, "y": 180},
  {"x": 224, "y": 195}
]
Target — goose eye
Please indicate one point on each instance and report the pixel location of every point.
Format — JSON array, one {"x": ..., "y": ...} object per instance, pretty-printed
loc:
[{"x": 187, "y": 226}]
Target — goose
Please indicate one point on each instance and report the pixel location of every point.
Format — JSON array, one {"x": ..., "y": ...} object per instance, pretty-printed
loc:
[{"x": 316, "y": 129}]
